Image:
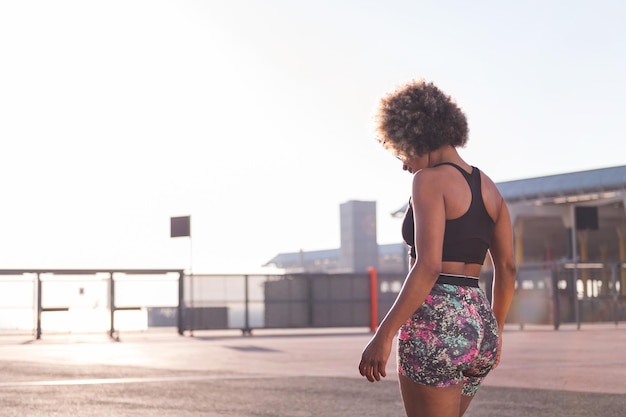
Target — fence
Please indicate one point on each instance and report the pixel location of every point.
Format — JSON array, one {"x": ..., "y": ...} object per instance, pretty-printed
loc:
[
  {"x": 100, "y": 300},
  {"x": 552, "y": 293},
  {"x": 87, "y": 300},
  {"x": 567, "y": 292},
  {"x": 279, "y": 301}
]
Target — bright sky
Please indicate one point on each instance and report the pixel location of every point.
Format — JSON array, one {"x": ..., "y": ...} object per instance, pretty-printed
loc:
[{"x": 254, "y": 117}]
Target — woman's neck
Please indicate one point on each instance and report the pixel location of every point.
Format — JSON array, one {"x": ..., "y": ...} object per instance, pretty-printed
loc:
[{"x": 444, "y": 154}]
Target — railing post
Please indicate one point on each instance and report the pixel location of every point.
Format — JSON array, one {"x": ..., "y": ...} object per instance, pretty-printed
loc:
[
  {"x": 181, "y": 303},
  {"x": 577, "y": 305},
  {"x": 310, "y": 301},
  {"x": 246, "y": 330},
  {"x": 111, "y": 305},
  {"x": 38, "y": 331},
  {"x": 373, "y": 298},
  {"x": 556, "y": 306},
  {"x": 614, "y": 273}
]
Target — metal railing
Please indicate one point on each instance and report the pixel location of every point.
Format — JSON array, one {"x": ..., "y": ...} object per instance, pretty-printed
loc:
[
  {"x": 567, "y": 292},
  {"x": 84, "y": 300},
  {"x": 110, "y": 300},
  {"x": 247, "y": 302},
  {"x": 554, "y": 293}
]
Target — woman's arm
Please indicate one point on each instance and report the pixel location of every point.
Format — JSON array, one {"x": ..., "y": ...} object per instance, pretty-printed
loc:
[
  {"x": 501, "y": 250},
  {"x": 502, "y": 257},
  {"x": 429, "y": 218}
]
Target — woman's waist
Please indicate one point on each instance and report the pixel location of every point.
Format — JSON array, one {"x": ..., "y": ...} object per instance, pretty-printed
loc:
[
  {"x": 461, "y": 268},
  {"x": 458, "y": 280}
]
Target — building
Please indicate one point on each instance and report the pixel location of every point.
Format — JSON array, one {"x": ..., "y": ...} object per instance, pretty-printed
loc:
[
  {"x": 548, "y": 214},
  {"x": 587, "y": 207},
  {"x": 359, "y": 249}
]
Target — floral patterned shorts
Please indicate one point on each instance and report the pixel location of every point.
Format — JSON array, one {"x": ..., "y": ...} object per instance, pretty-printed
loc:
[{"x": 452, "y": 338}]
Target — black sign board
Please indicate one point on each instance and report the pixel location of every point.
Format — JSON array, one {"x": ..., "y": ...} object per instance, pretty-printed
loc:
[{"x": 180, "y": 226}]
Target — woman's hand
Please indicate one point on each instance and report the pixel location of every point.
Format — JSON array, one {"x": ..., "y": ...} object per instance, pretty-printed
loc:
[{"x": 374, "y": 358}]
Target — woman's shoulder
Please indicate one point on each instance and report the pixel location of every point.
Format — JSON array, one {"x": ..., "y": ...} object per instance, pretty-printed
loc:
[
  {"x": 428, "y": 181},
  {"x": 428, "y": 175},
  {"x": 487, "y": 182},
  {"x": 492, "y": 198},
  {"x": 439, "y": 175}
]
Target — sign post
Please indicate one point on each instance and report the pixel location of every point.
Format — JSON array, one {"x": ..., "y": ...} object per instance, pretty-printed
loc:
[{"x": 181, "y": 227}]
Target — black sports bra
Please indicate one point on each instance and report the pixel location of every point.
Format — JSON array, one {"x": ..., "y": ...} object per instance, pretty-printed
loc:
[{"x": 466, "y": 238}]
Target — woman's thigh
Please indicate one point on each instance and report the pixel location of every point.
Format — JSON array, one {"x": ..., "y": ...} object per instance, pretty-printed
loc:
[{"x": 428, "y": 401}]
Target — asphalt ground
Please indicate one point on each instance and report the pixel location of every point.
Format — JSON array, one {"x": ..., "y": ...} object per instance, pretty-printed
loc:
[{"x": 295, "y": 373}]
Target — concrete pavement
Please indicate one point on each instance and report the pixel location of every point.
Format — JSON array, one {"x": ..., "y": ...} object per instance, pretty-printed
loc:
[{"x": 294, "y": 373}]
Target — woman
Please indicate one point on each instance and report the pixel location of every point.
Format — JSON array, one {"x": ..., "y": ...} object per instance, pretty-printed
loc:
[{"x": 450, "y": 337}]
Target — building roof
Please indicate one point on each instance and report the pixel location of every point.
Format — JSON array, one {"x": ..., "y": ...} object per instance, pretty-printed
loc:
[
  {"x": 294, "y": 258},
  {"x": 560, "y": 185}
]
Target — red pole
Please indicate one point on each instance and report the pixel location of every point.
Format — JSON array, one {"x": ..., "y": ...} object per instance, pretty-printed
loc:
[{"x": 373, "y": 299}]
